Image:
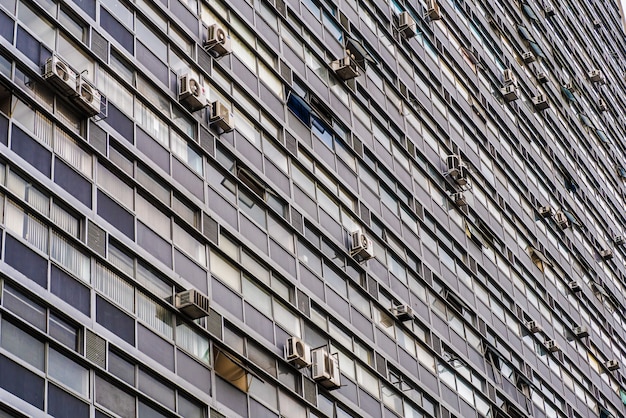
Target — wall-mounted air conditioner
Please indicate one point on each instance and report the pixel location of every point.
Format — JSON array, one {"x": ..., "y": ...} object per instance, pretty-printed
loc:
[
  {"x": 361, "y": 247},
  {"x": 510, "y": 93},
  {"x": 541, "y": 102},
  {"x": 562, "y": 220},
  {"x": 545, "y": 211},
  {"x": 551, "y": 346},
  {"x": 533, "y": 326},
  {"x": 581, "y": 332},
  {"x": 60, "y": 75},
  {"x": 192, "y": 303},
  {"x": 508, "y": 77},
  {"x": 528, "y": 57},
  {"x": 459, "y": 199},
  {"x": 191, "y": 93},
  {"x": 346, "y": 68},
  {"x": 403, "y": 313},
  {"x": 297, "y": 352},
  {"x": 574, "y": 286},
  {"x": 325, "y": 369},
  {"x": 618, "y": 240},
  {"x": 461, "y": 178},
  {"x": 606, "y": 254},
  {"x": 596, "y": 76},
  {"x": 217, "y": 41},
  {"x": 602, "y": 105},
  {"x": 221, "y": 116},
  {"x": 549, "y": 10},
  {"x": 612, "y": 365},
  {"x": 432, "y": 10},
  {"x": 541, "y": 76},
  {"x": 88, "y": 97},
  {"x": 406, "y": 25}
]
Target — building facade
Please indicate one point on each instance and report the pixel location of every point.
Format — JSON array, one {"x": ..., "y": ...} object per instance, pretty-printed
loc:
[{"x": 303, "y": 209}]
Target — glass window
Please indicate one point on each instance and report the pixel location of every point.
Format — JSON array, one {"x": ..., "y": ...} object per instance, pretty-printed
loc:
[
  {"x": 19, "y": 343},
  {"x": 68, "y": 372}
]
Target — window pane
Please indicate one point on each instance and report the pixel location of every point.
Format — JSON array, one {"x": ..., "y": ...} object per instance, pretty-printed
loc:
[
  {"x": 68, "y": 372},
  {"x": 21, "y": 344}
]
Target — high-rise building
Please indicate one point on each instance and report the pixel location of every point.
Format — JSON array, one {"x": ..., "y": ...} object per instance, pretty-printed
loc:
[{"x": 301, "y": 209}]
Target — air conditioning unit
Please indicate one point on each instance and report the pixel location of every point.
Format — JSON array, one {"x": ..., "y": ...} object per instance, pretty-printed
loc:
[
  {"x": 561, "y": 220},
  {"x": 508, "y": 77},
  {"x": 533, "y": 326},
  {"x": 325, "y": 370},
  {"x": 406, "y": 25},
  {"x": 603, "y": 106},
  {"x": 60, "y": 75},
  {"x": 510, "y": 93},
  {"x": 297, "y": 352},
  {"x": 612, "y": 365},
  {"x": 361, "y": 247},
  {"x": 541, "y": 76},
  {"x": 549, "y": 10},
  {"x": 541, "y": 102},
  {"x": 551, "y": 346},
  {"x": 545, "y": 211},
  {"x": 433, "y": 12},
  {"x": 453, "y": 163},
  {"x": 346, "y": 68},
  {"x": 597, "y": 24},
  {"x": 618, "y": 240},
  {"x": 581, "y": 332},
  {"x": 221, "y": 117},
  {"x": 596, "y": 76},
  {"x": 88, "y": 98},
  {"x": 403, "y": 313},
  {"x": 528, "y": 57},
  {"x": 459, "y": 199},
  {"x": 606, "y": 254},
  {"x": 192, "y": 303},
  {"x": 574, "y": 286},
  {"x": 191, "y": 93},
  {"x": 217, "y": 41},
  {"x": 461, "y": 178}
]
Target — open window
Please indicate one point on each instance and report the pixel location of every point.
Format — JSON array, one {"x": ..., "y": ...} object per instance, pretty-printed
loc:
[{"x": 231, "y": 369}]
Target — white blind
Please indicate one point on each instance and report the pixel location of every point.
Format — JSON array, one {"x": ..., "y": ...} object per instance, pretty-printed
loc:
[
  {"x": 64, "y": 253},
  {"x": 154, "y": 315},
  {"x": 114, "y": 287}
]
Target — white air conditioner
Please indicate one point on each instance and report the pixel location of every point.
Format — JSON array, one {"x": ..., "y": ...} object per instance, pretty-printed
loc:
[
  {"x": 462, "y": 177},
  {"x": 597, "y": 24},
  {"x": 581, "y": 332},
  {"x": 191, "y": 93},
  {"x": 595, "y": 76},
  {"x": 453, "y": 163},
  {"x": 541, "y": 102},
  {"x": 541, "y": 76},
  {"x": 297, "y": 352},
  {"x": 361, "y": 247},
  {"x": 618, "y": 240},
  {"x": 346, "y": 68},
  {"x": 545, "y": 211},
  {"x": 551, "y": 345},
  {"x": 192, "y": 303},
  {"x": 510, "y": 93},
  {"x": 325, "y": 369},
  {"x": 612, "y": 365},
  {"x": 432, "y": 11},
  {"x": 508, "y": 77},
  {"x": 549, "y": 10},
  {"x": 60, "y": 75},
  {"x": 88, "y": 98},
  {"x": 403, "y": 313},
  {"x": 217, "y": 41},
  {"x": 221, "y": 116},
  {"x": 533, "y": 326},
  {"x": 528, "y": 57},
  {"x": 602, "y": 105},
  {"x": 406, "y": 25},
  {"x": 459, "y": 199},
  {"x": 606, "y": 254},
  {"x": 574, "y": 286},
  {"x": 561, "y": 220}
]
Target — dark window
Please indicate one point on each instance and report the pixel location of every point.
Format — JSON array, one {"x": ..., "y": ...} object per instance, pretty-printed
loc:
[
  {"x": 114, "y": 398},
  {"x": 4, "y": 125},
  {"x": 28, "y": 45},
  {"x": 22, "y": 383},
  {"x": 185, "y": 16},
  {"x": 70, "y": 290},
  {"x": 156, "y": 347},
  {"x": 74, "y": 183},
  {"x": 227, "y": 298},
  {"x": 154, "y": 244},
  {"x": 152, "y": 63},
  {"x": 190, "y": 271},
  {"x": 65, "y": 332},
  {"x": 115, "y": 320},
  {"x": 6, "y": 27},
  {"x": 88, "y": 6},
  {"x": 146, "y": 411},
  {"x": 63, "y": 405},
  {"x": 122, "y": 368},
  {"x": 120, "y": 122},
  {"x": 153, "y": 150},
  {"x": 117, "y": 30},
  {"x": 26, "y": 261},
  {"x": 188, "y": 179},
  {"x": 193, "y": 372},
  {"x": 31, "y": 151},
  {"x": 116, "y": 215},
  {"x": 231, "y": 397}
]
